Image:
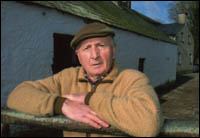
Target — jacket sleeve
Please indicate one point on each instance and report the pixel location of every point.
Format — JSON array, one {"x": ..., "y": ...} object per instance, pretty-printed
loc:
[
  {"x": 136, "y": 111},
  {"x": 36, "y": 97}
]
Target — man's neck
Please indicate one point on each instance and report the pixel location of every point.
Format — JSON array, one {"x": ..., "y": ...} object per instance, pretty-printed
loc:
[{"x": 95, "y": 78}]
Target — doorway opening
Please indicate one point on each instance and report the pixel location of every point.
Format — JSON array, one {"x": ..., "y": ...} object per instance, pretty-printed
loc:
[
  {"x": 141, "y": 64},
  {"x": 64, "y": 56}
]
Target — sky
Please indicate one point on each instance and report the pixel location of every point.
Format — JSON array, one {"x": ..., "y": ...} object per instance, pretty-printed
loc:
[{"x": 153, "y": 9}]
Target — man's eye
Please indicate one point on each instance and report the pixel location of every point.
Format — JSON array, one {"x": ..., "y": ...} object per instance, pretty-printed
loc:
[
  {"x": 101, "y": 45},
  {"x": 86, "y": 48}
]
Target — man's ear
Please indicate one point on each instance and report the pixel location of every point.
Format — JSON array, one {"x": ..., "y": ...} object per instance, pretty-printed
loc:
[
  {"x": 114, "y": 51},
  {"x": 76, "y": 52}
]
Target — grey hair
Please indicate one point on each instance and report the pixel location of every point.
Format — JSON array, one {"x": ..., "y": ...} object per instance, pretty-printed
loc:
[{"x": 113, "y": 43}]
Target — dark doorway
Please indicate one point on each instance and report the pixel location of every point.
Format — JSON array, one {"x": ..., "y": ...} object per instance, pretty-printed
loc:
[
  {"x": 141, "y": 64},
  {"x": 64, "y": 55}
]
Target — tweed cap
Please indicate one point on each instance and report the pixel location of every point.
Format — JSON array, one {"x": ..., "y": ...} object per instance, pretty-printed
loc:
[{"x": 90, "y": 31}]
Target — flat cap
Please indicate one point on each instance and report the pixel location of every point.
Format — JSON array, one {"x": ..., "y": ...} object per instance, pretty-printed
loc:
[{"x": 89, "y": 31}]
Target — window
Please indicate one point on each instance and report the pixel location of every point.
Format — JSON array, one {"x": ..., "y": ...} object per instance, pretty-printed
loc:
[
  {"x": 182, "y": 37},
  {"x": 189, "y": 40},
  {"x": 141, "y": 64},
  {"x": 179, "y": 58},
  {"x": 191, "y": 58},
  {"x": 173, "y": 37}
]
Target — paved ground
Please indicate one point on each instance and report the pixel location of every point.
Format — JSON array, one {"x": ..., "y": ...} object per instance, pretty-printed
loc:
[{"x": 181, "y": 100}]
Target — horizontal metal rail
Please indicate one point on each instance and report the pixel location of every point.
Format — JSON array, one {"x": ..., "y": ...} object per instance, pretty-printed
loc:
[{"x": 171, "y": 127}]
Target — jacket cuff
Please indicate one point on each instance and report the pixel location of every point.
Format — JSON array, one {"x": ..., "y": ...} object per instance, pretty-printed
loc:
[
  {"x": 87, "y": 98},
  {"x": 58, "y": 105}
]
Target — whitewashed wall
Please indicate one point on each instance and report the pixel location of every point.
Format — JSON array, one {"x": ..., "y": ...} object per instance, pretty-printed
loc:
[
  {"x": 160, "y": 57},
  {"x": 27, "y": 46},
  {"x": 27, "y": 42}
]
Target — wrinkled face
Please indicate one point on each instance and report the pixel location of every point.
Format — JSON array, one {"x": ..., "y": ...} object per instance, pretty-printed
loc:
[{"x": 96, "y": 55}]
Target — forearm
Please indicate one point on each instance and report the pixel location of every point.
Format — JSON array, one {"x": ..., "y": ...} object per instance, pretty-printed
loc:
[
  {"x": 28, "y": 99},
  {"x": 135, "y": 116}
]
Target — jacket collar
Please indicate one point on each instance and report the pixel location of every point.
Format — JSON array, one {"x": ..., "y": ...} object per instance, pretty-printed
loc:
[{"x": 109, "y": 78}]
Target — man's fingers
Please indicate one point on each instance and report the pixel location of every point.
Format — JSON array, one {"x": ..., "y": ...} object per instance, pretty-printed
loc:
[
  {"x": 93, "y": 112},
  {"x": 78, "y": 97},
  {"x": 66, "y": 96},
  {"x": 97, "y": 120},
  {"x": 91, "y": 122},
  {"x": 82, "y": 113}
]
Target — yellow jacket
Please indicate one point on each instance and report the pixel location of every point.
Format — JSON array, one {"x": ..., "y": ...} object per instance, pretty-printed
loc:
[{"x": 124, "y": 99}]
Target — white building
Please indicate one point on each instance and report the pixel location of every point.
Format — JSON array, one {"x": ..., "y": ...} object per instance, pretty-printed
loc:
[{"x": 35, "y": 39}]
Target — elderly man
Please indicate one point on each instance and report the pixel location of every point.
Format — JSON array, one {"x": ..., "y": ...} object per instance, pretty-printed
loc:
[{"x": 97, "y": 93}]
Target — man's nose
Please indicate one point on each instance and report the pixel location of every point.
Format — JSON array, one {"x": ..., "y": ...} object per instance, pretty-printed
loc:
[{"x": 94, "y": 52}]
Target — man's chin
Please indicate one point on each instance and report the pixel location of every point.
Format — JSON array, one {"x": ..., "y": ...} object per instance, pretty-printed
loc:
[{"x": 97, "y": 73}]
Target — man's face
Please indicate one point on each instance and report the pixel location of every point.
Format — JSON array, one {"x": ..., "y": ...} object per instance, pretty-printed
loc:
[{"x": 96, "y": 55}]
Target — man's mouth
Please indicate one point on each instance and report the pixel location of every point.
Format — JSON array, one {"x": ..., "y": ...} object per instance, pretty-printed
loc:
[{"x": 96, "y": 64}]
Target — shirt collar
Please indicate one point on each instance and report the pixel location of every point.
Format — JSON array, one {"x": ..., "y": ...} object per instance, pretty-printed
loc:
[{"x": 109, "y": 77}]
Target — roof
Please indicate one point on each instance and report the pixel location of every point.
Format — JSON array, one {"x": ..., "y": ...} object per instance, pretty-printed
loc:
[
  {"x": 170, "y": 29},
  {"x": 109, "y": 13}
]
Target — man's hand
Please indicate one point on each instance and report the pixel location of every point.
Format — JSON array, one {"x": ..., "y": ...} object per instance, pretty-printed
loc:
[
  {"x": 78, "y": 97},
  {"x": 80, "y": 112}
]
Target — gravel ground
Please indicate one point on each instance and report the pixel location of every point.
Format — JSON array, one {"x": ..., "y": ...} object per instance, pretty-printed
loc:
[{"x": 183, "y": 101}]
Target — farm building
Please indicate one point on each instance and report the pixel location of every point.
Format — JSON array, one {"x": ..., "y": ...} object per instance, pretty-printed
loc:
[
  {"x": 185, "y": 43},
  {"x": 36, "y": 37}
]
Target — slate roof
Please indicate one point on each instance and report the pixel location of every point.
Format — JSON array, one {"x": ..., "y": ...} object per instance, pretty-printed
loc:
[
  {"x": 109, "y": 13},
  {"x": 170, "y": 29}
]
